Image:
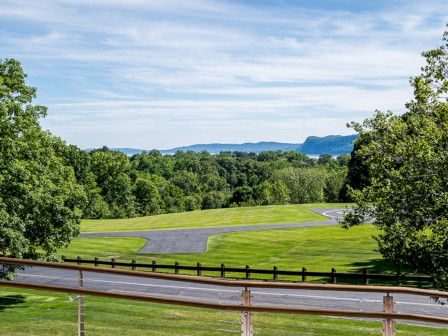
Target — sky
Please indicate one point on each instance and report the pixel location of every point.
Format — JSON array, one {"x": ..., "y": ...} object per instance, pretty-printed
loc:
[{"x": 158, "y": 74}]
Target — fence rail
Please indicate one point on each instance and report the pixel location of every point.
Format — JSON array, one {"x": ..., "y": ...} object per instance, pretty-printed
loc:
[
  {"x": 248, "y": 271},
  {"x": 246, "y": 307}
]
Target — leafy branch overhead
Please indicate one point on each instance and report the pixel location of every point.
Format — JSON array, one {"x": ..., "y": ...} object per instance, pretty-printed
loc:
[
  {"x": 404, "y": 160},
  {"x": 39, "y": 197}
]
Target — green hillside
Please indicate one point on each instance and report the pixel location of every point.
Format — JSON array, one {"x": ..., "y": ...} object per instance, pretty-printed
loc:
[{"x": 332, "y": 144}]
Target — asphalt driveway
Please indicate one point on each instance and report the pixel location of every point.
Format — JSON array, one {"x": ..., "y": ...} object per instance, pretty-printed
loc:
[{"x": 195, "y": 240}]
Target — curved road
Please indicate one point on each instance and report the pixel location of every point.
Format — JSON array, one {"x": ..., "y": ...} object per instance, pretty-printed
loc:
[{"x": 195, "y": 240}]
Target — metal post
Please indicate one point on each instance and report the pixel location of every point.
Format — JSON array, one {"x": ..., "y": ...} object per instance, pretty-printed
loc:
[
  {"x": 388, "y": 324},
  {"x": 80, "y": 306},
  {"x": 246, "y": 325}
]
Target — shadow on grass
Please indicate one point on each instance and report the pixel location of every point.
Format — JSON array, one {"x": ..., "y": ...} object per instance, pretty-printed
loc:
[
  {"x": 377, "y": 266},
  {"x": 381, "y": 266},
  {"x": 7, "y": 302},
  {"x": 373, "y": 266}
]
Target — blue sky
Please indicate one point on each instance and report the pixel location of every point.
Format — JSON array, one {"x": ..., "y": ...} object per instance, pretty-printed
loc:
[{"x": 160, "y": 74}]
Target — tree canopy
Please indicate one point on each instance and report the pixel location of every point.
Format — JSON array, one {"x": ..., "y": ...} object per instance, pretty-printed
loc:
[
  {"x": 404, "y": 160},
  {"x": 39, "y": 197}
]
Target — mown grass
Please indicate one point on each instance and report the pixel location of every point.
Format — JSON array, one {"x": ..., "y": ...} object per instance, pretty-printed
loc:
[
  {"x": 40, "y": 313},
  {"x": 273, "y": 214},
  {"x": 316, "y": 248}
]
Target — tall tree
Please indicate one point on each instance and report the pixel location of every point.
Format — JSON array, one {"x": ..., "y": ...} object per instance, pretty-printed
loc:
[
  {"x": 406, "y": 158},
  {"x": 112, "y": 170},
  {"x": 39, "y": 198}
]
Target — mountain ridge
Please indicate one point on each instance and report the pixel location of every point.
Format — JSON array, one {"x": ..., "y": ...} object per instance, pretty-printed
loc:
[{"x": 331, "y": 144}]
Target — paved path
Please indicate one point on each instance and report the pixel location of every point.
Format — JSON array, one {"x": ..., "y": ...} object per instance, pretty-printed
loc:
[{"x": 195, "y": 240}]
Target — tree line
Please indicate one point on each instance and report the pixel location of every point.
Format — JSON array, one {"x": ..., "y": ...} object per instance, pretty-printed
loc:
[{"x": 119, "y": 186}]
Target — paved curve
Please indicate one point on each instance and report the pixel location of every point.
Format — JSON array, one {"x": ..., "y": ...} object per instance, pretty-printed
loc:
[
  {"x": 195, "y": 240},
  {"x": 181, "y": 290}
]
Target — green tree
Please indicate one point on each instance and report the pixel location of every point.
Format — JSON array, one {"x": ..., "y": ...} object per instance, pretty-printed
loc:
[
  {"x": 334, "y": 182},
  {"x": 112, "y": 174},
  {"x": 243, "y": 196},
  {"x": 306, "y": 185},
  {"x": 147, "y": 197},
  {"x": 214, "y": 200},
  {"x": 325, "y": 159},
  {"x": 153, "y": 162},
  {"x": 95, "y": 207},
  {"x": 187, "y": 181},
  {"x": 172, "y": 196},
  {"x": 272, "y": 192},
  {"x": 40, "y": 200},
  {"x": 406, "y": 158},
  {"x": 358, "y": 173},
  {"x": 120, "y": 197}
]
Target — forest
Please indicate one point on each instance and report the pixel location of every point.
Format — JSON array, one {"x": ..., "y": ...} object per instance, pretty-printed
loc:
[{"x": 121, "y": 186}]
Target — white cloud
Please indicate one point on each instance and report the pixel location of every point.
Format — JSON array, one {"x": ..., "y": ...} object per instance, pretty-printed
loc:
[{"x": 202, "y": 69}]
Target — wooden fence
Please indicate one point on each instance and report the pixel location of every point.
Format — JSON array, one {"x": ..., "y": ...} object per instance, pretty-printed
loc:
[
  {"x": 246, "y": 307},
  {"x": 248, "y": 272}
]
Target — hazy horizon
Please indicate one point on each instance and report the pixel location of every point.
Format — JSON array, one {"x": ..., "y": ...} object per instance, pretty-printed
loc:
[{"x": 165, "y": 74}]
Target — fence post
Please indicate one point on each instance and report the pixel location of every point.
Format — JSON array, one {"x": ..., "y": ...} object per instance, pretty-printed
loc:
[
  {"x": 275, "y": 273},
  {"x": 133, "y": 264},
  {"x": 176, "y": 268},
  {"x": 112, "y": 262},
  {"x": 303, "y": 274},
  {"x": 388, "y": 324},
  {"x": 247, "y": 271},
  {"x": 223, "y": 271},
  {"x": 199, "y": 269},
  {"x": 246, "y": 325},
  {"x": 80, "y": 306},
  {"x": 366, "y": 277},
  {"x": 79, "y": 260},
  {"x": 96, "y": 261},
  {"x": 333, "y": 276},
  {"x": 154, "y": 266}
]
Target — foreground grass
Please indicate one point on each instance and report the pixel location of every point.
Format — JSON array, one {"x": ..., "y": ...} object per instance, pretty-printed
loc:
[
  {"x": 317, "y": 248},
  {"x": 26, "y": 312},
  {"x": 273, "y": 214}
]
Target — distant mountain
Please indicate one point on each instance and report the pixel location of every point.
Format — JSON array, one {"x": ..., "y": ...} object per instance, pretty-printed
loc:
[
  {"x": 332, "y": 144},
  {"x": 245, "y": 147}
]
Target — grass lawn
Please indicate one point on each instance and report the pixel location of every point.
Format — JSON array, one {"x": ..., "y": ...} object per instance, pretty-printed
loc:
[
  {"x": 26, "y": 312},
  {"x": 272, "y": 214},
  {"x": 317, "y": 248}
]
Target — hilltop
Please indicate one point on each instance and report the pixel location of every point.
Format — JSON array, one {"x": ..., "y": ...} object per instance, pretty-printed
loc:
[{"x": 331, "y": 144}]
